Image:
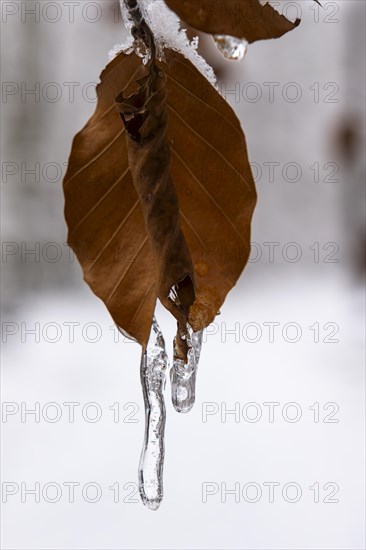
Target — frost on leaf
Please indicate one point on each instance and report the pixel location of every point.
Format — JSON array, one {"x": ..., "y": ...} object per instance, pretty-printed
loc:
[
  {"x": 168, "y": 34},
  {"x": 113, "y": 228}
]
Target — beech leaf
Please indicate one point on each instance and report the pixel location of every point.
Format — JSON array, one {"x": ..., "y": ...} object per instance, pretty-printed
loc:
[
  {"x": 145, "y": 118},
  {"x": 247, "y": 19},
  {"x": 166, "y": 198}
]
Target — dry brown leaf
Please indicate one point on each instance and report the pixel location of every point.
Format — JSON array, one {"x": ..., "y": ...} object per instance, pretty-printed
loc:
[
  {"x": 144, "y": 113},
  {"x": 212, "y": 178},
  {"x": 241, "y": 18}
]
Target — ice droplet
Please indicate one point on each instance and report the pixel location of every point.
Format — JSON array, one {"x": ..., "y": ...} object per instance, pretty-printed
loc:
[
  {"x": 154, "y": 362},
  {"x": 183, "y": 375},
  {"x": 231, "y": 47}
]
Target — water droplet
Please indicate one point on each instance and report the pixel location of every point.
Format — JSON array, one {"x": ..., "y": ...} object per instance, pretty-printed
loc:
[{"x": 231, "y": 47}]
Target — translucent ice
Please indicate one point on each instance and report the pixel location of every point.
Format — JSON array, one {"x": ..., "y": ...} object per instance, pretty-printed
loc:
[
  {"x": 231, "y": 47},
  {"x": 183, "y": 375},
  {"x": 154, "y": 362}
]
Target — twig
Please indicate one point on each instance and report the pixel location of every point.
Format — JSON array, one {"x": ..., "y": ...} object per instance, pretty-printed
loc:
[{"x": 140, "y": 29}]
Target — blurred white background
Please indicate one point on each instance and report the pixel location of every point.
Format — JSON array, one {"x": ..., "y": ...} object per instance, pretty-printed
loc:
[{"x": 310, "y": 291}]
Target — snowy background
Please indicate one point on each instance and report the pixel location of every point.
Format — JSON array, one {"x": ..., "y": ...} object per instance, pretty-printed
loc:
[{"x": 285, "y": 470}]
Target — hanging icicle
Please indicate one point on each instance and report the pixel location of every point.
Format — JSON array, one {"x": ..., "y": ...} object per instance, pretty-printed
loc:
[
  {"x": 183, "y": 374},
  {"x": 154, "y": 362}
]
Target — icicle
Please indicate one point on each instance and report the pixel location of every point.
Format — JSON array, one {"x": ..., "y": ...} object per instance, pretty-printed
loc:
[
  {"x": 154, "y": 362},
  {"x": 231, "y": 47},
  {"x": 183, "y": 375}
]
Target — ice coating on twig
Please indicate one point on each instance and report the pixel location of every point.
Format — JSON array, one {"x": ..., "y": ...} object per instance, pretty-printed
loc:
[
  {"x": 165, "y": 25},
  {"x": 183, "y": 375},
  {"x": 127, "y": 46},
  {"x": 154, "y": 362}
]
